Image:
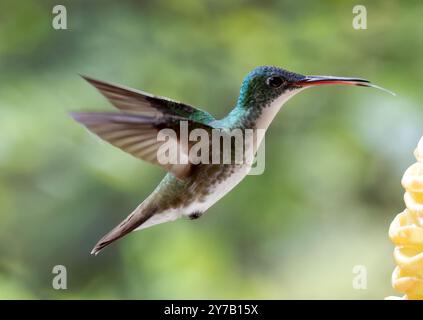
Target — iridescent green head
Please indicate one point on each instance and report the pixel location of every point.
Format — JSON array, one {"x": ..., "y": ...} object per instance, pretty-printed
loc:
[{"x": 265, "y": 84}]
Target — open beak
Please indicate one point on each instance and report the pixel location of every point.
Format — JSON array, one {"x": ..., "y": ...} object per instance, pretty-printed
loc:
[{"x": 309, "y": 81}]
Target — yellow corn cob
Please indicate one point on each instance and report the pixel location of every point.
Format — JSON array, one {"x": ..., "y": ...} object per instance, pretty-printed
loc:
[{"x": 406, "y": 232}]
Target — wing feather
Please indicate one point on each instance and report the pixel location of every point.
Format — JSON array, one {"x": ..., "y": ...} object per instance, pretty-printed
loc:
[
  {"x": 131, "y": 100},
  {"x": 137, "y": 135}
]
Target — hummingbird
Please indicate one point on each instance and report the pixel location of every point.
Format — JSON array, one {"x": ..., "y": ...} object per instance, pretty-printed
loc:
[{"x": 189, "y": 189}]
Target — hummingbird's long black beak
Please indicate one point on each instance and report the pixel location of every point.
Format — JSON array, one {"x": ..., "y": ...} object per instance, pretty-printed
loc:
[{"x": 309, "y": 81}]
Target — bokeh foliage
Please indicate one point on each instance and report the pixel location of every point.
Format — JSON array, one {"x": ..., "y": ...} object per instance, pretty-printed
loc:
[{"x": 334, "y": 159}]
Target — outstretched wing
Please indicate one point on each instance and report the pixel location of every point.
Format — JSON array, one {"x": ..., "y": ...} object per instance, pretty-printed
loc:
[
  {"x": 139, "y": 135},
  {"x": 136, "y": 129},
  {"x": 135, "y": 101}
]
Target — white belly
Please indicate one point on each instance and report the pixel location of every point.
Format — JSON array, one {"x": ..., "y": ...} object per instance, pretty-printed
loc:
[{"x": 215, "y": 195}]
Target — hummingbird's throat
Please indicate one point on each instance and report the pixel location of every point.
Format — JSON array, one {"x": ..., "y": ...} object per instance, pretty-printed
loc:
[{"x": 268, "y": 112}]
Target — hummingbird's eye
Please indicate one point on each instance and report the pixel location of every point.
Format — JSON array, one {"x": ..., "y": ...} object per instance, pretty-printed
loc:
[{"x": 274, "y": 82}]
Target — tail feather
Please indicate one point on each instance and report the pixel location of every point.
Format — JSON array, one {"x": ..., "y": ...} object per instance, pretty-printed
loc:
[{"x": 134, "y": 220}]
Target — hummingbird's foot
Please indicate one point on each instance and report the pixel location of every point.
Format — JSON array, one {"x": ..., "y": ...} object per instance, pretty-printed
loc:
[{"x": 195, "y": 215}]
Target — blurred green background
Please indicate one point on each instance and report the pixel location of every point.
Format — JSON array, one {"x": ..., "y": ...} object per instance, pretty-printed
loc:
[{"x": 334, "y": 155}]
